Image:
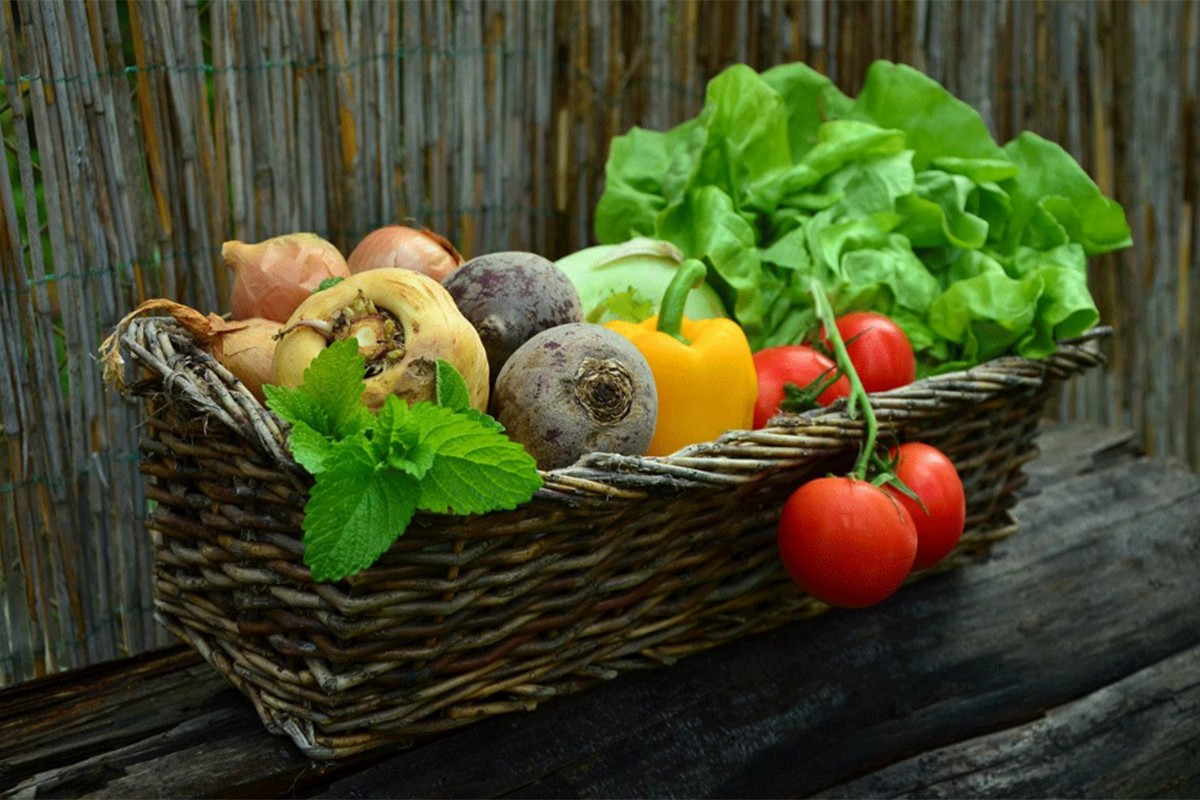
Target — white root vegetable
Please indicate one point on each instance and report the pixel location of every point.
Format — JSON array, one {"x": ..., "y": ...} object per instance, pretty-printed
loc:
[{"x": 404, "y": 322}]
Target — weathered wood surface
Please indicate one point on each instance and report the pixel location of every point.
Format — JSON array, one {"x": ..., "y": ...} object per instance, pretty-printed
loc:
[{"x": 1066, "y": 665}]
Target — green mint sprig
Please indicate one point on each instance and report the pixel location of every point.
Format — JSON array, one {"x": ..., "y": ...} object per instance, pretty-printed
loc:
[{"x": 374, "y": 471}]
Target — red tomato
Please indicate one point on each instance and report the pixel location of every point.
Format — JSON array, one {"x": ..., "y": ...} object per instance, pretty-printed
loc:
[
  {"x": 878, "y": 348},
  {"x": 933, "y": 478},
  {"x": 792, "y": 363},
  {"x": 846, "y": 542}
]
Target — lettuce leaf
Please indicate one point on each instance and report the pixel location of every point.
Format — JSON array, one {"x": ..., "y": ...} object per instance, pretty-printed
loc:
[
  {"x": 1054, "y": 198},
  {"x": 898, "y": 201},
  {"x": 705, "y": 224}
]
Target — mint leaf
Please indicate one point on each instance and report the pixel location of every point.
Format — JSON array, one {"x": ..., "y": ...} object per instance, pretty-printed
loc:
[
  {"x": 475, "y": 468},
  {"x": 452, "y": 393},
  {"x": 416, "y": 461},
  {"x": 394, "y": 429},
  {"x": 298, "y": 407},
  {"x": 452, "y": 390},
  {"x": 335, "y": 380},
  {"x": 373, "y": 471},
  {"x": 333, "y": 386},
  {"x": 309, "y": 447},
  {"x": 329, "y": 282},
  {"x": 486, "y": 420},
  {"x": 356, "y": 509},
  {"x": 396, "y": 439}
]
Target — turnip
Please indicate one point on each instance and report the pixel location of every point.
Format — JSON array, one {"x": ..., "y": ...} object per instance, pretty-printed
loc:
[
  {"x": 511, "y": 296},
  {"x": 576, "y": 389},
  {"x": 404, "y": 323}
]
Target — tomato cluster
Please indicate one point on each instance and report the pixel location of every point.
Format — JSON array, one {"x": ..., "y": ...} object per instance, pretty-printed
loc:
[
  {"x": 878, "y": 348},
  {"x": 939, "y": 511},
  {"x": 850, "y": 543},
  {"x": 846, "y": 540}
]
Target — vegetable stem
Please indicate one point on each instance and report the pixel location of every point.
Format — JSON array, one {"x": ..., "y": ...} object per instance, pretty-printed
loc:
[
  {"x": 670, "y": 313},
  {"x": 858, "y": 395}
]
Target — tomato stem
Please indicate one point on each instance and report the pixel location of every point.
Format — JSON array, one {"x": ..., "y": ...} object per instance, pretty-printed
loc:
[{"x": 858, "y": 395}]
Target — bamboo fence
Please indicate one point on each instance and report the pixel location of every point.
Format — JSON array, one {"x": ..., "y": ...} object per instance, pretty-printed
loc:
[{"x": 140, "y": 136}]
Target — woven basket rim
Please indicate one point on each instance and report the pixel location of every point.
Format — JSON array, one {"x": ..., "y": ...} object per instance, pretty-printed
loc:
[{"x": 733, "y": 457}]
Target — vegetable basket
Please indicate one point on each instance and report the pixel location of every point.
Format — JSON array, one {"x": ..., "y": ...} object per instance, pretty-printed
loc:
[{"x": 617, "y": 563}]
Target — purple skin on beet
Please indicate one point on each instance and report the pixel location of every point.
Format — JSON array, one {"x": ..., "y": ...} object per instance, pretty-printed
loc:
[
  {"x": 576, "y": 389},
  {"x": 511, "y": 296}
]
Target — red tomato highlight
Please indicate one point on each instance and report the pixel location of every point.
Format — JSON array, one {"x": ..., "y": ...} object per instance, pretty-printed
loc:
[
  {"x": 932, "y": 477},
  {"x": 878, "y": 348},
  {"x": 792, "y": 363},
  {"x": 846, "y": 542}
]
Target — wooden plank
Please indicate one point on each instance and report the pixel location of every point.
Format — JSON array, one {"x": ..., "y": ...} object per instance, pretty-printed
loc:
[
  {"x": 1090, "y": 605},
  {"x": 1069, "y": 450},
  {"x": 159, "y": 725},
  {"x": 38, "y": 713},
  {"x": 1135, "y": 738}
]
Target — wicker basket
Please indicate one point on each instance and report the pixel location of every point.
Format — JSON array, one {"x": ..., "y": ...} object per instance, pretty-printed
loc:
[{"x": 618, "y": 563}]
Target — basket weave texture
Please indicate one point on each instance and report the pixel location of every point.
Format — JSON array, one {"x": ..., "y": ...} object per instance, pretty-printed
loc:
[{"x": 617, "y": 563}]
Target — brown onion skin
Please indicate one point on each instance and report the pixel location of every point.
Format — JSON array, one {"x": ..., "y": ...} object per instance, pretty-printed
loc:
[
  {"x": 273, "y": 277},
  {"x": 401, "y": 247},
  {"x": 244, "y": 347},
  {"x": 247, "y": 349},
  {"x": 433, "y": 328}
]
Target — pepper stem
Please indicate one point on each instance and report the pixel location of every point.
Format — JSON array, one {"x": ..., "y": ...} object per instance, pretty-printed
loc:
[
  {"x": 670, "y": 313},
  {"x": 858, "y": 395}
]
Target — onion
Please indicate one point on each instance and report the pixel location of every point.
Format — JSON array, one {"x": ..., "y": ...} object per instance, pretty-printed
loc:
[
  {"x": 245, "y": 347},
  {"x": 273, "y": 277},
  {"x": 399, "y": 247}
]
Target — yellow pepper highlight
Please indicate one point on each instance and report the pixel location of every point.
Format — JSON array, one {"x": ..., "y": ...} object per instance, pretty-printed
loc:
[{"x": 706, "y": 384}]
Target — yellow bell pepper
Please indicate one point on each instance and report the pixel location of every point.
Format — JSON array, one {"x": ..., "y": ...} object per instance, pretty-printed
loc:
[{"x": 703, "y": 369}]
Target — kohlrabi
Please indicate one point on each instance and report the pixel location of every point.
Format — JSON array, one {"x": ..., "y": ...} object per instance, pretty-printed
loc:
[{"x": 626, "y": 281}]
